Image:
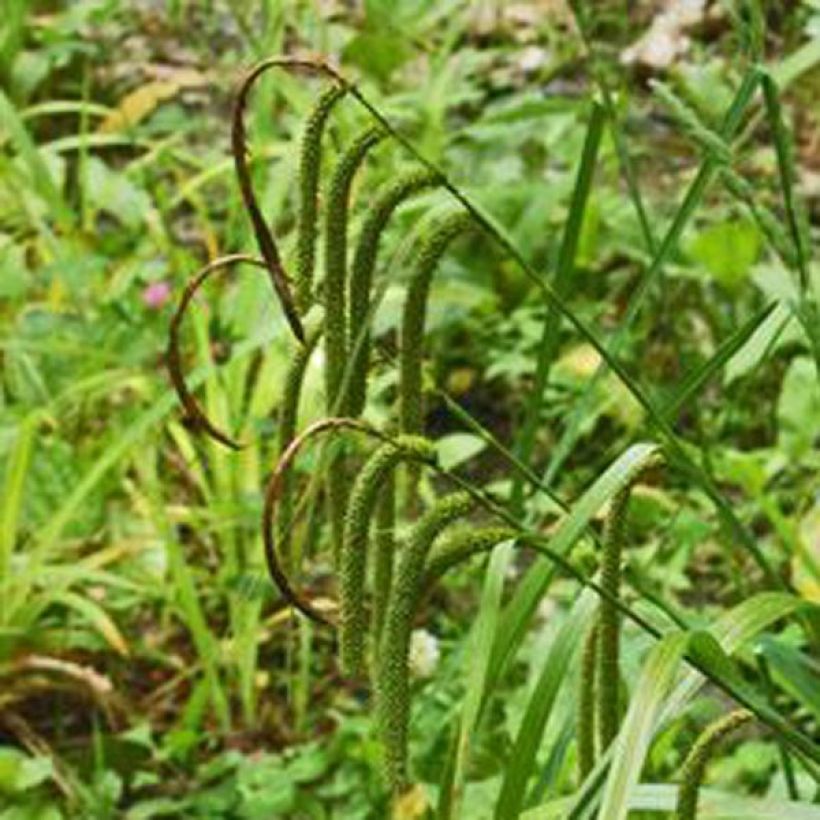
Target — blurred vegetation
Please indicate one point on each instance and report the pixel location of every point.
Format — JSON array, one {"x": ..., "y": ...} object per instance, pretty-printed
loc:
[{"x": 149, "y": 668}]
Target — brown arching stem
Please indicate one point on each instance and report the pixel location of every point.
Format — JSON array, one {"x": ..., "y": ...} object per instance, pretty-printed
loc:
[
  {"x": 264, "y": 237},
  {"x": 273, "y": 493},
  {"x": 194, "y": 413}
]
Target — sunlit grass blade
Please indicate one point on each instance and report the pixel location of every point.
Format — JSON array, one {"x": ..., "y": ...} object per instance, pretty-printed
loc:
[
  {"x": 481, "y": 646},
  {"x": 557, "y": 664},
  {"x": 714, "y": 804},
  {"x": 40, "y": 174},
  {"x": 11, "y": 506},
  {"x": 131, "y": 438},
  {"x": 92, "y": 612},
  {"x": 635, "y": 737},
  {"x": 732, "y": 630}
]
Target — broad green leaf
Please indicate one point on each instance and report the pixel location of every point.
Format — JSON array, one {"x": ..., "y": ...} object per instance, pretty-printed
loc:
[
  {"x": 727, "y": 251},
  {"x": 456, "y": 448},
  {"x": 798, "y": 408}
]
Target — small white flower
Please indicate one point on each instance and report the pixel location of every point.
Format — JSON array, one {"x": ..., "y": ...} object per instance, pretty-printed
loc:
[{"x": 424, "y": 653}]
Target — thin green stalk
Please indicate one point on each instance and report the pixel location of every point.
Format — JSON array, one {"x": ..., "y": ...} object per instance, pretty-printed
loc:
[
  {"x": 625, "y": 162},
  {"x": 563, "y": 279},
  {"x": 692, "y": 199}
]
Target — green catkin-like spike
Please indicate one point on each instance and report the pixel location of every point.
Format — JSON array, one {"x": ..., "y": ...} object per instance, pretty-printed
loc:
[
  {"x": 695, "y": 765},
  {"x": 310, "y": 163},
  {"x": 586, "y": 705},
  {"x": 392, "y": 679},
  {"x": 609, "y": 621},
  {"x": 361, "y": 276},
  {"x": 460, "y": 545},
  {"x": 288, "y": 417},
  {"x": 384, "y": 543},
  {"x": 353, "y": 560},
  {"x": 411, "y": 411},
  {"x": 334, "y": 293},
  {"x": 691, "y": 122}
]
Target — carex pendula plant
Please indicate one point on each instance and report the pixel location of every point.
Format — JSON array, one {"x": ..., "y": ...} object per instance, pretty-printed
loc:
[{"x": 391, "y": 543}]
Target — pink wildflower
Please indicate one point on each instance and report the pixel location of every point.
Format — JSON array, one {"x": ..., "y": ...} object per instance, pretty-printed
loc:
[{"x": 156, "y": 295}]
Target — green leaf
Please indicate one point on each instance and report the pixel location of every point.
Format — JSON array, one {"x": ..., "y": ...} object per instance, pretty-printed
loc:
[
  {"x": 516, "y": 616},
  {"x": 636, "y": 734},
  {"x": 759, "y": 343},
  {"x": 798, "y": 408},
  {"x": 712, "y": 805},
  {"x": 727, "y": 251},
  {"x": 794, "y": 672},
  {"x": 558, "y": 662},
  {"x": 456, "y": 448}
]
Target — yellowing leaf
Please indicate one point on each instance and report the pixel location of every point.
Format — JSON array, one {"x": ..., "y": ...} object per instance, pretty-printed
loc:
[
  {"x": 139, "y": 103},
  {"x": 411, "y": 805},
  {"x": 580, "y": 361}
]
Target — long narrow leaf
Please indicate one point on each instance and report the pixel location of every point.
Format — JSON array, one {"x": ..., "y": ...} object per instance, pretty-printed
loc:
[
  {"x": 713, "y": 804},
  {"x": 632, "y": 743},
  {"x": 557, "y": 664},
  {"x": 516, "y": 617}
]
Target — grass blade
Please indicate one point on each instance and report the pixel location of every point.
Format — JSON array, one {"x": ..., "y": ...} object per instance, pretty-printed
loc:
[
  {"x": 563, "y": 276},
  {"x": 516, "y": 617},
  {"x": 714, "y": 804},
  {"x": 40, "y": 174},
  {"x": 697, "y": 378},
  {"x": 691, "y": 201},
  {"x": 11, "y": 506},
  {"x": 632, "y": 743},
  {"x": 558, "y": 661},
  {"x": 481, "y": 653}
]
